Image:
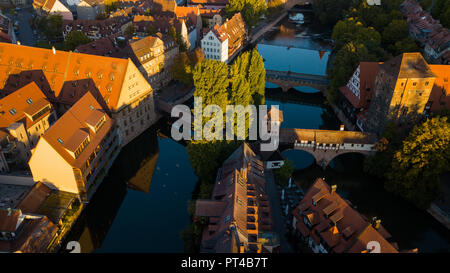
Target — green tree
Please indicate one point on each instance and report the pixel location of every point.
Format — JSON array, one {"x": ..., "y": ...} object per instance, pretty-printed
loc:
[
  {"x": 74, "y": 39},
  {"x": 184, "y": 64},
  {"x": 251, "y": 10},
  {"x": 283, "y": 174},
  {"x": 423, "y": 157},
  {"x": 329, "y": 11},
  {"x": 406, "y": 45},
  {"x": 395, "y": 31}
]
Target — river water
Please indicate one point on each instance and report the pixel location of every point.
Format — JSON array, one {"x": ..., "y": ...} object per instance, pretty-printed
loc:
[{"x": 142, "y": 204}]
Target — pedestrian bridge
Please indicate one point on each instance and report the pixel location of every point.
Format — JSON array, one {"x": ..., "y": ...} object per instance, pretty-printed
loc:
[
  {"x": 325, "y": 145},
  {"x": 288, "y": 79}
]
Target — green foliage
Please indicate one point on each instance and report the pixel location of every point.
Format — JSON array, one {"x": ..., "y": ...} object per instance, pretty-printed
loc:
[
  {"x": 441, "y": 11},
  {"x": 111, "y": 6},
  {"x": 283, "y": 174},
  {"x": 50, "y": 26},
  {"x": 329, "y": 11},
  {"x": 173, "y": 33},
  {"x": 426, "y": 4},
  {"x": 241, "y": 83},
  {"x": 74, "y": 39},
  {"x": 344, "y": 63},
  {"x": 395, "y": 31},
  {"x": 275, "y": 6},
  {"x": 352, "y": 30},
  {"x": 183, "y": 66},
  {"x": 206, "y": 157},
  {"x": 423, "y": 157},
  {"x": 251, "y": 10},
  {"x": 130, "y": 30}
]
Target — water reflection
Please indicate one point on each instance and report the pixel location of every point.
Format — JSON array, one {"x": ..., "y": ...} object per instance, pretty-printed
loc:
[{"x": 140, "y": 218}]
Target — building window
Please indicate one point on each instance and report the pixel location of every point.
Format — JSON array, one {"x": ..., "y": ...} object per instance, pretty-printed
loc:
[{"x": 414, "y": 83}]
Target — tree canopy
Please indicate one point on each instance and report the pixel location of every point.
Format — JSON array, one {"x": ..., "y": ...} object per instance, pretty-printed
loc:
[
  {"x": 74, "y": 39},
  {"x": 241, "y": 83},
  {"x": 251, "y": 10},
  {"x": 418, "y": 165}
]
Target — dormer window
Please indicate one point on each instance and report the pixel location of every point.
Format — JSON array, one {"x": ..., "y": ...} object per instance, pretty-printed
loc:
[
  {"x": 13, "y": 111},
  {"x": 100, "y": 123},
  {"x": 29, "y": 101},
  {"x": 80, "y": 148}
]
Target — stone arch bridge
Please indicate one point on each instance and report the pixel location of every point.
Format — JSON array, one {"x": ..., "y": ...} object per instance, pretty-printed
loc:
[
  {"x": 288, "y": 79},
  {"x": 325, "y": 145}
]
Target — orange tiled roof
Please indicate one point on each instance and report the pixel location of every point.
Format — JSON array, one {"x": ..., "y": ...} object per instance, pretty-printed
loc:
[
  {"x": 367, "y": 74},
  {"x": 240, "y": 187},
  {"x": 440, "y": 94},
  {"x": 70, "y": 130},
  {"x": 34, "y": 198},
  {"x": 62, "y": 76},
  {"x": 339, "y": 225},
  {"x": 21, "y": 105}
]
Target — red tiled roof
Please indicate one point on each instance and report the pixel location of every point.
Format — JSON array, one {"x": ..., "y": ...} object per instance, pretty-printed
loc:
[
  {"x": 62, "y": 76},
  {"x": 440, "y": 94},
  {"x": 35, "y": 198},
  {"x": 70, "y": 130},
  {"x": 21, "y": 105},
  {"x": 367, "y": 74},
  {"x": 338, "y": 224},
  {"x": 9, "y": 219}
]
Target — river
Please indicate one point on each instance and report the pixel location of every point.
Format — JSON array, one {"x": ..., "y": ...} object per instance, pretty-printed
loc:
[{"x": 142, "y": 204}]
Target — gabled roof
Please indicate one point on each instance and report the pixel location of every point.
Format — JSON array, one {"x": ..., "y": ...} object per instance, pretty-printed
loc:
[
  {"x": 21, "y": 105},
  {"x": 408, "y": 65},
  {"x": 367, "y": 74},
  {"x": 34, "y": 198},
  {"x": 71, "y": 130},
  {"x": 62, "y": 75},
  {"x": 339, "y": 224}
]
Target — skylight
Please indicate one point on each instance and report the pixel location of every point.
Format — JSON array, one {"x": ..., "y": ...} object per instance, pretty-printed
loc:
[
  {"x": 13, "y": 111},
  {"x": 29, "y": 101},
  {"x": 60, "y": 141}
]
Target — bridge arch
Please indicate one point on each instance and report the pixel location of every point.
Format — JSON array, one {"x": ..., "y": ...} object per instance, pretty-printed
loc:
[
  {"x": 324, "y": 157},
  {"x": 325, "y": 145},
  {"x": 300, "y": 159}
]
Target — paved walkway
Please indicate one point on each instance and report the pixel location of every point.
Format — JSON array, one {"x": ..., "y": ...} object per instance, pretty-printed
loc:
[{"x": 279, "y": 219}]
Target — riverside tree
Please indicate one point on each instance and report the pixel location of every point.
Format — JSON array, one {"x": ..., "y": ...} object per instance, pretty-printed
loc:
[
  {"x": 417, "y": 167},
  {"x": 241, "y": 83}
]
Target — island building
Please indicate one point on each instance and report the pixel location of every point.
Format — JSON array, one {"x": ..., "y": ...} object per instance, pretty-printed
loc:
[
  {"x": 76, "y": 153},
  {"x": 64, "y": 77},
  {"x": 405, "y": 86},
  {"x": 238, "y": 213},
  {"x": 328, "y": 223},
  {"x": 24, "y": 116},
  {"x": 154, "y": 56},
  {"x": 400, "y": 92},
  {"x": 221, "y": 42}
]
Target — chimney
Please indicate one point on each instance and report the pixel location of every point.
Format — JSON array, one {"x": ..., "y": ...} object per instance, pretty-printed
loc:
[
  {"x": 333, "y": 189},
  {"x": 18, "y": 42},
  {"x": 342, "y": 127},
  {"x": 54, "y": 50},
  {"x": 377, "y": 224}
]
